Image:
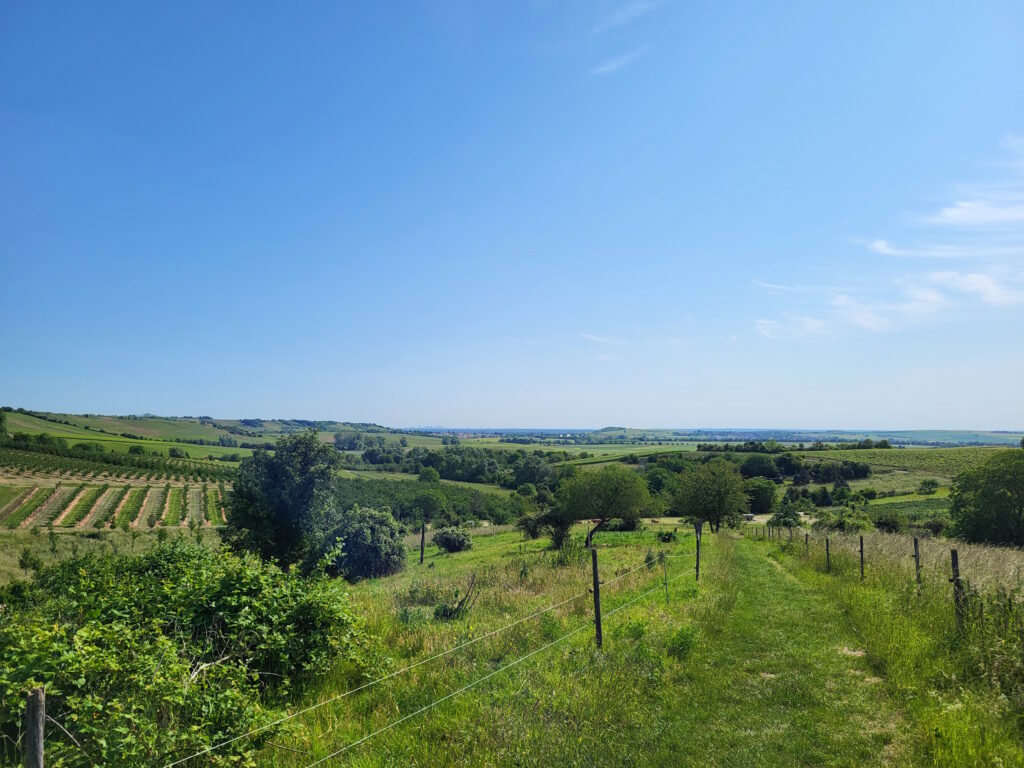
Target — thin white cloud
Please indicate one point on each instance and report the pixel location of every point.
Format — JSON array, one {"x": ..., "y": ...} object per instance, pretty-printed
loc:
[
  {"x": 979, "y": 251},
  {"x": 625, "y": 14},
  {"x": 980, "y": 213},
  {"x": 990, "y": 289},
  {"x": 791, "y": 327},
  {"x": 611, "y": 66},
  {"x": 601, "y": 339}
]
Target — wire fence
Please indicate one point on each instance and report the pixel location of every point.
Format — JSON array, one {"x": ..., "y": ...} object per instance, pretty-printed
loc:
[{"x": 646, "y": 563}]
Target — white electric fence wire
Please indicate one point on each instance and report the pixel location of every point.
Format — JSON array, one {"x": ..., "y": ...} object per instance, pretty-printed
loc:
[
  {"x": 489, "y": 675},
  {"x": 401, "y": 671}
]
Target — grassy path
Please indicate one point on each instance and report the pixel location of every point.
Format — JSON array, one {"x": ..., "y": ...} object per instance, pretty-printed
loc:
[
  {"x": 775, "y": 676},
  {"x": 781, "y": 679}
]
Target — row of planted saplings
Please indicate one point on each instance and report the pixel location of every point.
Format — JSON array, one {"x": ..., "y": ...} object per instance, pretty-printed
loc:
[{"x": 101, "y": 506}]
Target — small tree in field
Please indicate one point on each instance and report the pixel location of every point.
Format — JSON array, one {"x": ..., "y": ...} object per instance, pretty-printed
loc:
[
  {"x": 761, "y": 493},
  {"x": 602, "y": 496},
  {"x": 281, "y": 501},
  {"x": 711, "y": 493},
  {"x": 988, "y": 501}
]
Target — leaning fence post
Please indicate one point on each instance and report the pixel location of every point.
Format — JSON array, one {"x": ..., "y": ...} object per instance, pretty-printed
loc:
[
  {"x": 597, "y": 599},
  {"x": 862, "y": 558},
  {"x": 828, "y": 557},
  {"x": 35, "y": 716},
  {"x": 917, "y": 561},
  {"x": 958, "y": 589}
]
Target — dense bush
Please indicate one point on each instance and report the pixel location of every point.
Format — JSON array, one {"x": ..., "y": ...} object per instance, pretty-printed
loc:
[
  {"x": 988, "y": 501},
  {"x": 453, "y": 539},
  {"x": 369, "y": 544},
  {"x": 148, "y": 657}
]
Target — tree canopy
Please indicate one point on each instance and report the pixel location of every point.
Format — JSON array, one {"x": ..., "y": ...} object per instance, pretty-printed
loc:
[
  {"x": 281, "y": 501},
  {"x": 988, "y": 501},
  {"x": 711, "y": 493},
  {"x": 613, "y": 492},
  {"x": 761, "y": 492}
]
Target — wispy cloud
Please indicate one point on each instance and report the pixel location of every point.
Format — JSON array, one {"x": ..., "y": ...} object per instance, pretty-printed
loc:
[
  {"x": 980, "y": 212},
  {"x": 946, "y": 251},
  {"x": 995, "y": 290},
  {"x": 611, "y": 66},
  {"x": 625, "y": 14},
  {"x": 791, "y": 326},
  {"x": 601, "y": 339}
]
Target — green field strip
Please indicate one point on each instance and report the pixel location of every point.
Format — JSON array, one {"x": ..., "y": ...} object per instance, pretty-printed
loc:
[
  {"x": 13, "y": 496},
  {"x": 195, "y": 505},
  {"x": 130, "y": 509},
  {"x": 104, "y": 508},
  {"x": 56, "y": 505},
  {"x": 153, "y": 510},
  {"x": 82, "y": 507},
  {"x": 211, "y": 505},
  {"x": 175, "y": 508},
  {"x": 28, "y": 507}
]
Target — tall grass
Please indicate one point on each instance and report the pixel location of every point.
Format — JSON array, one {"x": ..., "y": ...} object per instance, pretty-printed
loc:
[{"x": 962, "y": 683}]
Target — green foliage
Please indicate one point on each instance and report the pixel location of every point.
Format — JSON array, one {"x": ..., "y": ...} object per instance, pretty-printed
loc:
[
  {"x": 711, "y": 493},
  {"x": 758, "y": 465},
  {"x": 429, "y": 475},
  {"x": 761, "y": 493},
  {"x": 928, "y": 486},
  {"x": 613, "y": 492},
  {"x": 681, "y": 642},
  {"x": 844, "y": 519},
  {"x": 368, "y": 544},
  {"x": 788, "y": 516},
  {"x": 150, "y": 656},
  {"x": 453, "y": 539},
  {"x": 281, "y": 501},
  {"x": 988, "y": 501}
]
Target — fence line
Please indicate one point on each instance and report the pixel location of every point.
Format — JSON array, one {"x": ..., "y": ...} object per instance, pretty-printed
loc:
[
  {"x": 476, "y": 682},
  {"x": 396, "y": 673}
]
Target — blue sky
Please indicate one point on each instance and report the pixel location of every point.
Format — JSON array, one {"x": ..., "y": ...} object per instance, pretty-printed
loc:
[{"x": 568, "y": 214}]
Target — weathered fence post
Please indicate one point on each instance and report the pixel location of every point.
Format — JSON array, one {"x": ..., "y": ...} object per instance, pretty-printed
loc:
[
  {"x": 698, "y": 557},
  {"x": 958, "y": 589},
  {"x": 423, "y": 539},
  {"x": 862, "y": 558},
  {"x": 35, "y": 716},
  {"x": 664, "y": 570},
  {"x": 807, "y": 543},
  {"x": 791, "y": 533},
  {"x": 917, "y": 561},
  {"x": 828, "y": 557},
  {"x": 597, "y": 598}
]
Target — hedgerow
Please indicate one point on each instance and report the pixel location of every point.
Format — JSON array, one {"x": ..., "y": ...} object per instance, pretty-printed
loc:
[{"x": 146, "y": 658}]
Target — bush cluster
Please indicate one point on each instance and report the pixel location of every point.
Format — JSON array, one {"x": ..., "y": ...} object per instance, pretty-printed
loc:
[
  {"x": 453, "y": 539},
  {"x": 148, "y": 657}
]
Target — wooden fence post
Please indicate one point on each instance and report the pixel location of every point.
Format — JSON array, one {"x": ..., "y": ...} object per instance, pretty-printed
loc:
[
  {"x": 958, "y": 589},
  {"x": 597, "y": 598},
  {"x": 35, "y": 717},
  {"x": 698, "y": 558},
  {"x": 828, "y": 558},
  {"x": 807, "y": 543},
  {"x": 862, "y": 558},
  {"x": 423, "y": 539},
  {"x": 664, "y": 570},
  {"x": 917, "y": 561}
]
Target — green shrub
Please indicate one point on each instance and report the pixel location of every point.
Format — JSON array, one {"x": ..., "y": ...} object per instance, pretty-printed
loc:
[
  {"x": 369, "y": 544},
  {"x": 453, "y": 539},
  {"x": 148, "y": 657},
  {"x": 680, "y": 644}
]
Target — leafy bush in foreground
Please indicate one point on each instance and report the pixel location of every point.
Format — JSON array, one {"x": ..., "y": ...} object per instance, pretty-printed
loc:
[
  {"x": 146, "y": 658},
  {"x": 453, "y": 539}
]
